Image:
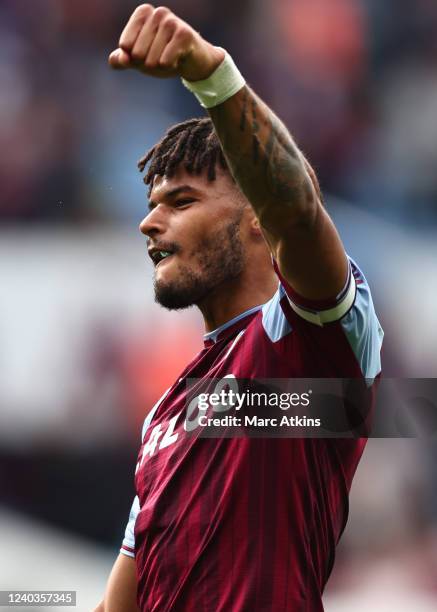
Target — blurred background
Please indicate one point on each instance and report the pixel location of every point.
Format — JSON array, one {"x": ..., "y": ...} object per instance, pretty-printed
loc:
[{"x": 85, "y": 352}]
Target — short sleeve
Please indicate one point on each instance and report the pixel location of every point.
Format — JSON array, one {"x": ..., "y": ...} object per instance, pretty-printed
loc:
[
  {"x": 321, "y": 312},
  {"x": 362, "y": 328},
  {"x": 326, "y": 325},
  {"x": 128, "y": 545}
]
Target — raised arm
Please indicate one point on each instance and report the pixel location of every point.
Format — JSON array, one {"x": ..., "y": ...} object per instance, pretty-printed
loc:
[
  {"x": 262, "y": 156},
  {"x": 283, "y": 190}
]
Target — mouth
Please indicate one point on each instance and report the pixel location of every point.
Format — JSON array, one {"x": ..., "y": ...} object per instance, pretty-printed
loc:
[{"x": 158, "y": 256}]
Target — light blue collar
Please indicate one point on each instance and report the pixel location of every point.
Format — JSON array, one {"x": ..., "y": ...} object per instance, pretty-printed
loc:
[{"x": 214, "y": 334}]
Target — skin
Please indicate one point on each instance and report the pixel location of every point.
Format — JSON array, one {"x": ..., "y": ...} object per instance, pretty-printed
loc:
[
  {"x": 121, "y": 589},
  {"x": 281, "y": 206}
]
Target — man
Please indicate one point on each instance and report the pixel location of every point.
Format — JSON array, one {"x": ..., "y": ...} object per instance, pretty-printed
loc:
[{"x": 238, "y": 524}]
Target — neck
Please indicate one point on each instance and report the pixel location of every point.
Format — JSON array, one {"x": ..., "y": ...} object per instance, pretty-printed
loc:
[{"x": 237, "y": 296}]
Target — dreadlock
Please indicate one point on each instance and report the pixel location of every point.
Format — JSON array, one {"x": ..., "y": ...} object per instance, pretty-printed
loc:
[{"x": 192, "y": 144}]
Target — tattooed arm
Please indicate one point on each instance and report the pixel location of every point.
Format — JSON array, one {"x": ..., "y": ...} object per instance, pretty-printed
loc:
[{"x": 283, "y": 190}]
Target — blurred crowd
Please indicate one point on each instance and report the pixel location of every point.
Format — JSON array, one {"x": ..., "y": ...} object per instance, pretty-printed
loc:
[{"x": 355, "y": 81}]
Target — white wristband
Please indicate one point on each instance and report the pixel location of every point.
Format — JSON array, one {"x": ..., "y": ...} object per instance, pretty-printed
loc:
[{"x": 222, "y": 84}]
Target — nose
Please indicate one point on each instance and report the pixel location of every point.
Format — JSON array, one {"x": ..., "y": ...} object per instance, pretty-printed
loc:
[{"x": 153, "y": 223}]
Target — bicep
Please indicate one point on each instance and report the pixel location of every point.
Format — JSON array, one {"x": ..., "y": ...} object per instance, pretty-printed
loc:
[
  {"x": 121, "y": 590},
  {"x": 309, "y": 254}
]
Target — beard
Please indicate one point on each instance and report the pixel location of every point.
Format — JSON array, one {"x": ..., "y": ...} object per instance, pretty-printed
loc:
[{"x": 220, "y": 258}]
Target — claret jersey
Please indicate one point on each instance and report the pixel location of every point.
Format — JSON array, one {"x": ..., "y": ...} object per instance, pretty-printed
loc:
[{"x": 251, "y": 524}]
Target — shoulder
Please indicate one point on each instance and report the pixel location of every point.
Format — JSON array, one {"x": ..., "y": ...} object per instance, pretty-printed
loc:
[
  {"x": 362, "y": 327},
  {"x": 345, "y": 327}
]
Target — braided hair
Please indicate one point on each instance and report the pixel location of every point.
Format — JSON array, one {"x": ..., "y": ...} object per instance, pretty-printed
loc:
[{"x": 192, "y": 144}]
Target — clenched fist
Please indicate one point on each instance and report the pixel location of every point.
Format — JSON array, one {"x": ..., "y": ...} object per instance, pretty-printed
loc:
[{"x": 157, "y": 42}]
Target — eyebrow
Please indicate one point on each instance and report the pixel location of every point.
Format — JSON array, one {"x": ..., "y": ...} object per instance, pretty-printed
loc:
[{"x": 171, "y": 193}]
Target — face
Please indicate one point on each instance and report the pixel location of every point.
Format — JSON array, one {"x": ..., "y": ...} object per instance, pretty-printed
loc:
[{"x": 194, "y": 237}]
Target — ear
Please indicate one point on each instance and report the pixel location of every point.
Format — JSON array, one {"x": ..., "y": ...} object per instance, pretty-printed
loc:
[
  {"x": 255, "y": 223},
  {"x": 255, "y": 227}
]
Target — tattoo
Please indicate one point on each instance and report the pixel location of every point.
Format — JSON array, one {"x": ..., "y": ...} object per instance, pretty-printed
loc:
[
  {"x": 282, "y": 164},
  {"x": 255, "y": 149},
  {"x": 255, "y": 135},
  {"x": 255, "y": 124},
  {"x": 255, "y": 129},
  {"x": 243, "y": 116},
  {"x": 269, "y": 149}
]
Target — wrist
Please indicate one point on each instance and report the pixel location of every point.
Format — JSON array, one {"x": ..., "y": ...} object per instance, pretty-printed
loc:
[
  {"x": 201, "y": 62},
  {"x": 222, "y": 83}
]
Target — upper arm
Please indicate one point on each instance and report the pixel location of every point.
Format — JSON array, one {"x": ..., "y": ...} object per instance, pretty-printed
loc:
[
  {"x": 309, "y": 252},
  {"x": 121, "y": 590}
]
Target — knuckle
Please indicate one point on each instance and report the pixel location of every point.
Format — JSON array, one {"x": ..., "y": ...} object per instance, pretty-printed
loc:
[
  {"x": 170, "y": 22},
  {"x": 182, "y": 33},
  {"x": 136, "y": 55},
  {"x": 160, "y": 12},
  {"x": 165, "y": 64},
  {"x": 144, "y": 10},
  {"x": 150, "y": 65}
]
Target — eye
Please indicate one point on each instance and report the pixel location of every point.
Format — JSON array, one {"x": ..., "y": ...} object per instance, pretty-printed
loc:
[{"x": 184, "y": 201}]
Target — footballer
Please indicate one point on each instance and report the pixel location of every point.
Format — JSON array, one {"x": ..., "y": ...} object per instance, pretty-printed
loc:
[{"x": 237, "y": 227}]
